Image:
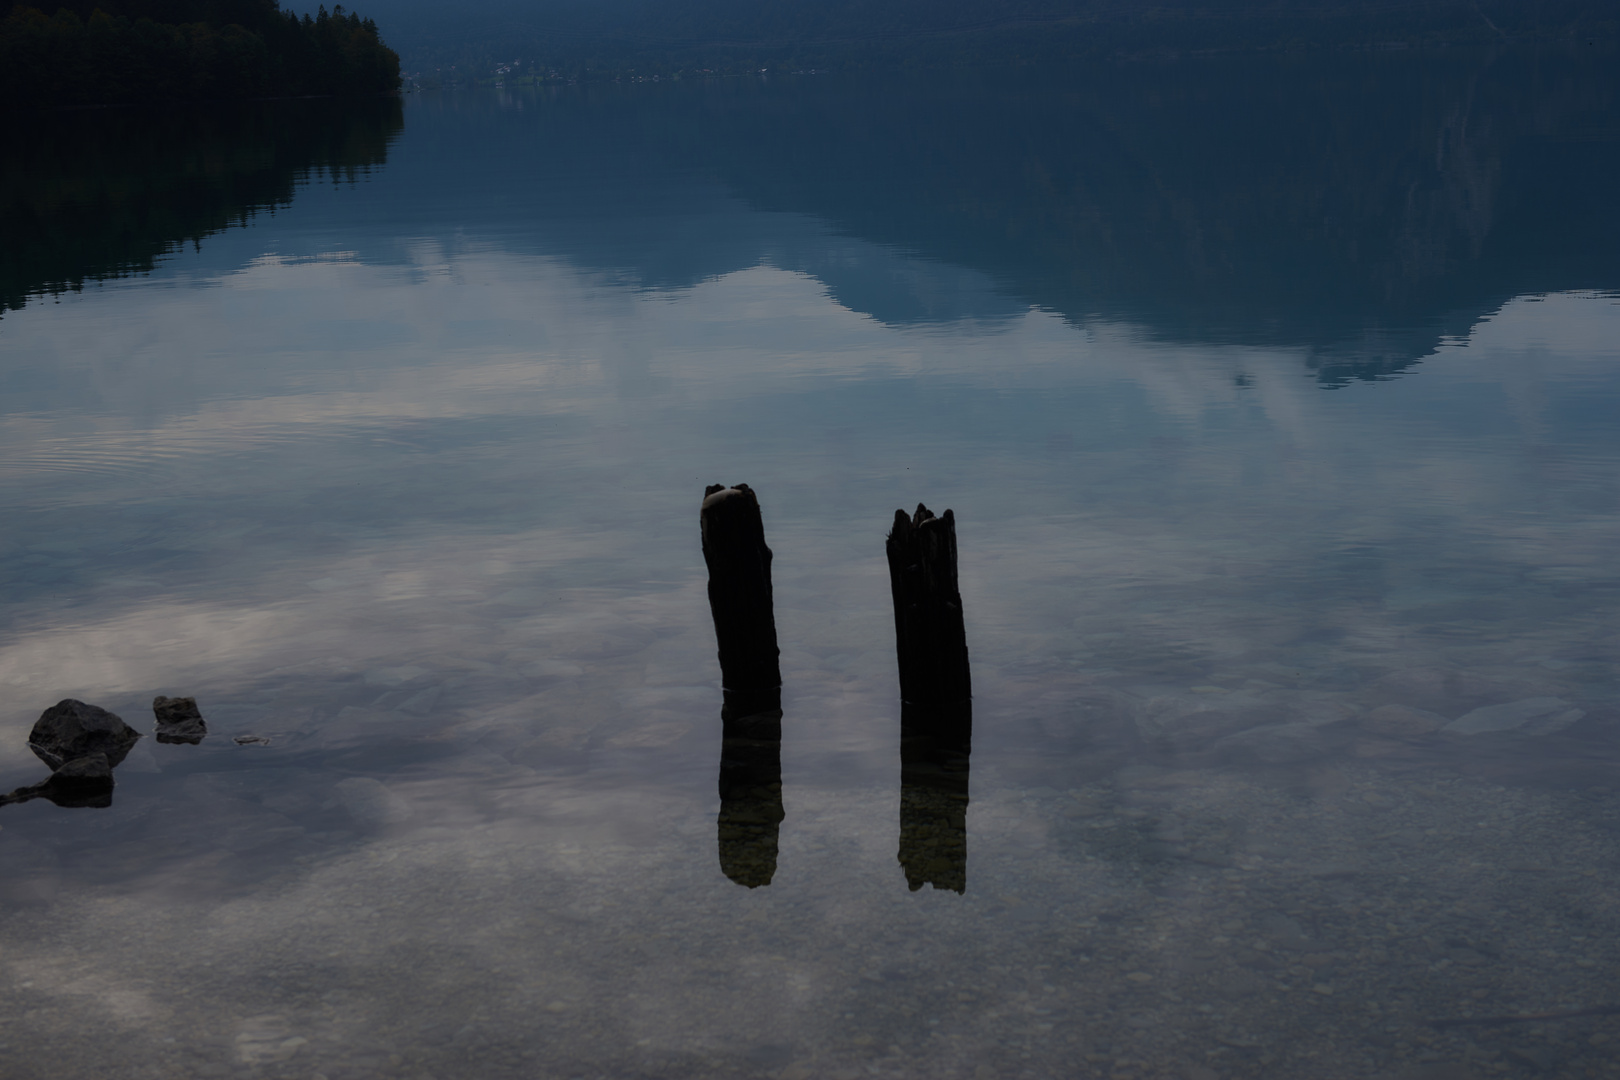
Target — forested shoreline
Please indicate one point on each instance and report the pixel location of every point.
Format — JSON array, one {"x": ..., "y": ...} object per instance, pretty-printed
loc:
[{"x": 114, "y": 52}]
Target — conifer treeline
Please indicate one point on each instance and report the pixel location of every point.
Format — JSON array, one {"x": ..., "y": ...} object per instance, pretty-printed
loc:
[{"x": 104, "y": 52}]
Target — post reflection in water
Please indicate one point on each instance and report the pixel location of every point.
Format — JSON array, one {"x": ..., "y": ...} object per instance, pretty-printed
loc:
[
  {"x": 934, "y": 753},
  {"x": 936, "y": 710},
  {"x": 751, "y": 717},
  {"x": 750, "y": 786}
]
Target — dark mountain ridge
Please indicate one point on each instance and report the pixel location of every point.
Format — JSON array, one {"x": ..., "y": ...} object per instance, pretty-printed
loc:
[{"x": 652, "y": 36}]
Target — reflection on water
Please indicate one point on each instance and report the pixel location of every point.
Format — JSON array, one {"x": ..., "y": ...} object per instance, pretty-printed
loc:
[
  {"x": 1294, "y": 715},
  {"x": 94, "y": 195},
  {"x": 750, "y": 791},
  {"x": 933, "y": 805},
  {"x": 74, "y": 786}
]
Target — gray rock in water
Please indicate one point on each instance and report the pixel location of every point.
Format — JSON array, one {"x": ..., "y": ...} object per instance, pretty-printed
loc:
[
  {"x": 92, "y": 770},
  {"x": 1275, "y": 744},
  {"x": 70, "y": 730},
  {"x": 1537, "y": 715},
  {"x": 371, "y": 804},
  {"x": 178, "y": 720}
]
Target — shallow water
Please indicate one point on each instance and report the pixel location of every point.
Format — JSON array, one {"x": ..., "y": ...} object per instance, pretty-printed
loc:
[{"x": 1271, "y": 457}]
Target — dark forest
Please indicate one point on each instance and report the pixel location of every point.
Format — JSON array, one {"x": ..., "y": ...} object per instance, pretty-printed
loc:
[{"x": 110, "y": 52}]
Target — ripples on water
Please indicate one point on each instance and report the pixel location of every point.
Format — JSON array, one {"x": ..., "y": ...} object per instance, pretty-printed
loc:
[{"x": 1238, "y": 579}]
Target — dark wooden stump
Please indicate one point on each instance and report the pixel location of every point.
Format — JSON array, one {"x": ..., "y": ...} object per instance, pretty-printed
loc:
[
  {"x": 936, "y": 700},
  {"x": 751, "y": 714},
  {"x": 929, "y": 637},
  {"x": 740, "y": 588}
]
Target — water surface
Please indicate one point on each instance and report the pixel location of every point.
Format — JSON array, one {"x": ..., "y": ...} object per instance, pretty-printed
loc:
[{"x": 1274, "y": 400}]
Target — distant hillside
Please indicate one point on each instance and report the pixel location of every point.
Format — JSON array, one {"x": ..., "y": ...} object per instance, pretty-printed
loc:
[
  {"x": 577, "y": 37},
  {"x": 104, "y": 52}
]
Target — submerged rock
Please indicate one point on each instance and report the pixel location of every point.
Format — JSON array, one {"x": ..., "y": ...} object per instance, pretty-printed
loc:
[
  {"x": 1275, "y": 744},
  {"x": 178, "y": 720},
  {"x": 1536, "y": 716},
  {"x": 371, "y": 804},
  {"x": 1402, "y": 722},
  {"x": 70, "y": 730}
]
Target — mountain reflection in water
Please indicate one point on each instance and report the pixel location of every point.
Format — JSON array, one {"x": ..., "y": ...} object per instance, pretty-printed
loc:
[{"x": 1363, "y": 207}]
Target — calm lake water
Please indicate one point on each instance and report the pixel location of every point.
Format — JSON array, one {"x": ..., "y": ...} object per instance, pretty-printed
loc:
[{"x": 1275, "y": 400}]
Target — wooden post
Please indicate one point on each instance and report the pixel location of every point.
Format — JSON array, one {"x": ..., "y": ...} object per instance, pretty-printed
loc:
[
  {"x": 929, "y": 636},
  {"x": 936, "y": 700},
  {"x": 751, "y": 713},
  {"x": 740, "y": 589}
]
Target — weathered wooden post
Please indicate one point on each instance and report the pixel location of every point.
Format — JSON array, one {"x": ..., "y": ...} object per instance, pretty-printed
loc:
[
  {"x": 751, "y": 714},
  {"x": 936, "y": 700},
  {"x": 740, "y": 589}
]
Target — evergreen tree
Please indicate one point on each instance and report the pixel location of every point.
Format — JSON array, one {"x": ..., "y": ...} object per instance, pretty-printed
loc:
[{"x": 103, "y": 52}]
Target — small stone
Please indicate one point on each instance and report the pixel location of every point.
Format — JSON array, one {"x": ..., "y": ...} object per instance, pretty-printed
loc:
[
  {"x": 71, "y": 729},
  {"x": 175, "y": 710},
  {"x": 178, "y": 720},
  {"x": 1322, "y": 988},
  {"x": 1540, "y": 715}
]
